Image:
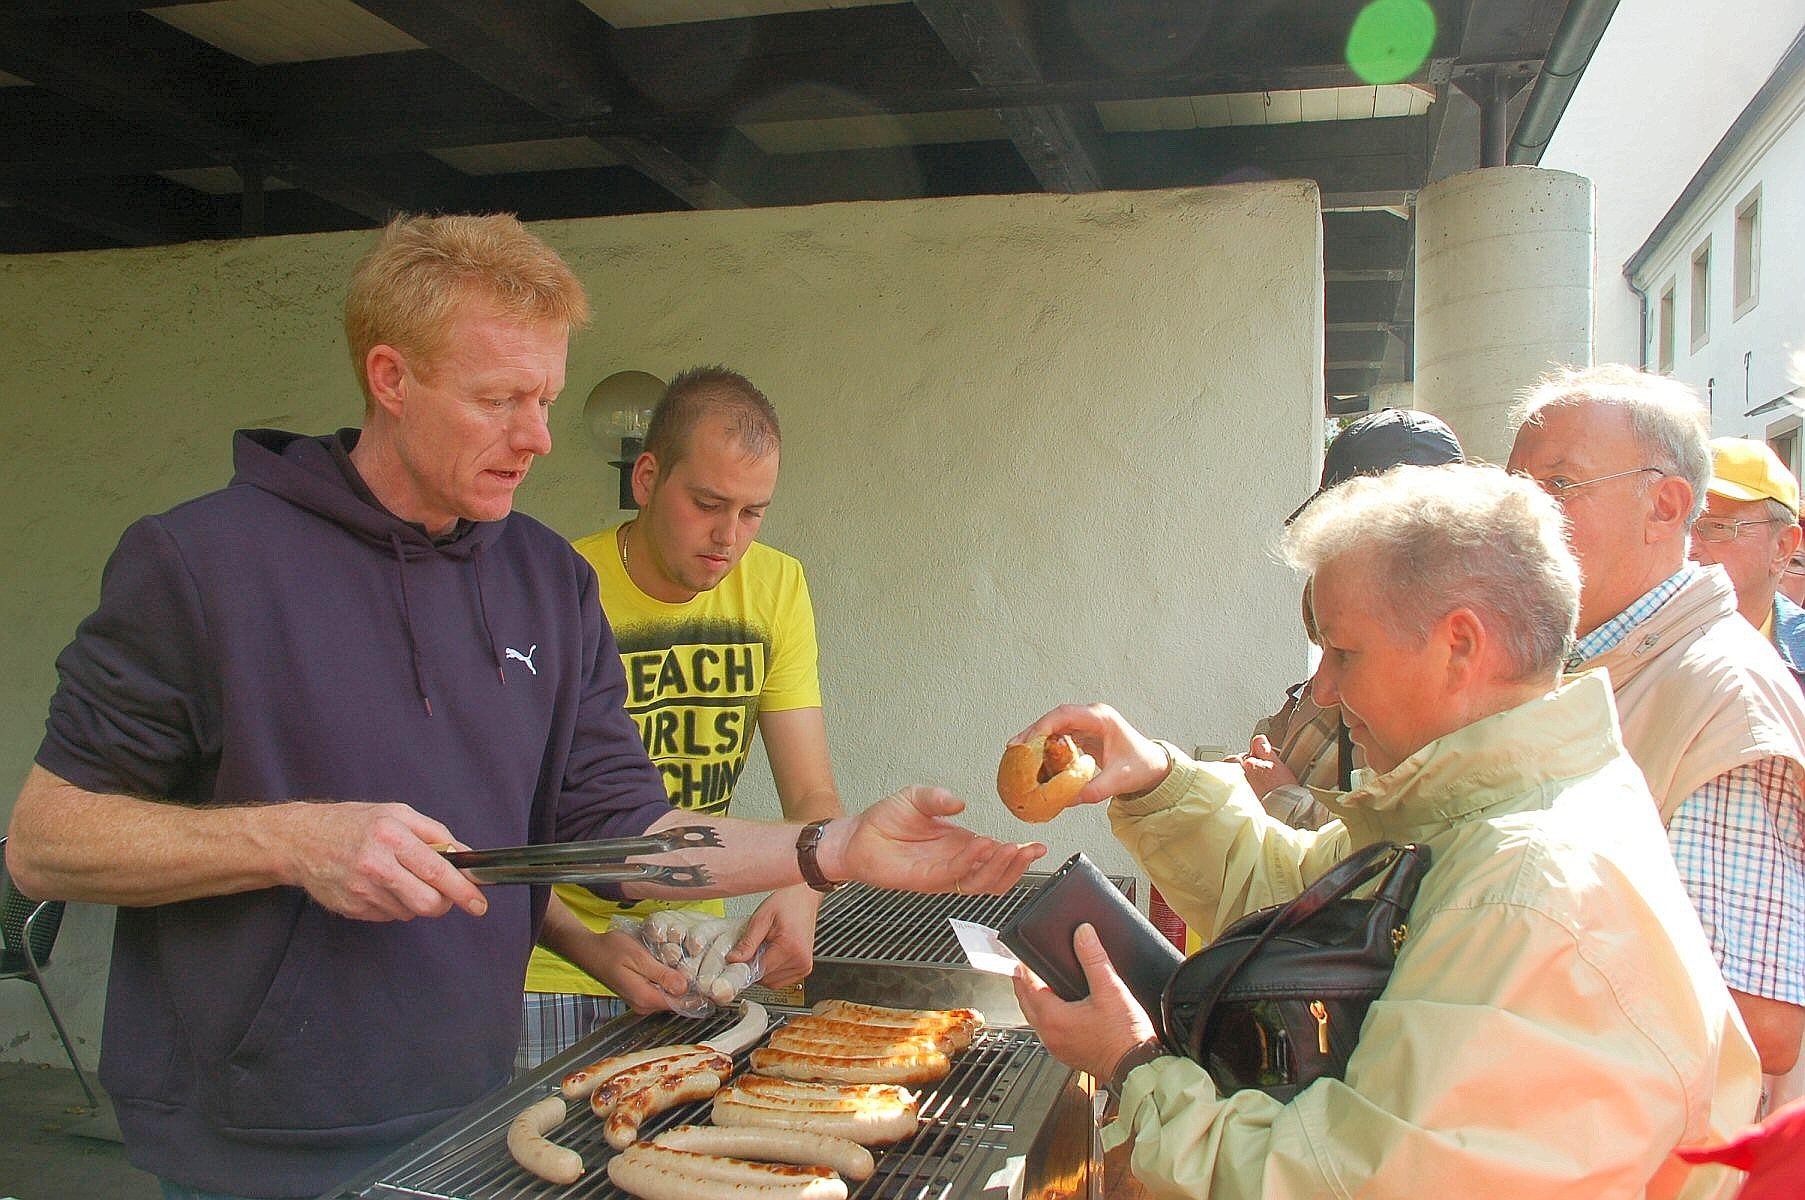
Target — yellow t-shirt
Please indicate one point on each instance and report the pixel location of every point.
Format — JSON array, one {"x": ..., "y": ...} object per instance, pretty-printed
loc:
[{"x": 698, "y": 675}]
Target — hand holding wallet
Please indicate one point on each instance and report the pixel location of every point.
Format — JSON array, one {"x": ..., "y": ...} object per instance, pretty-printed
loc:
[{"x": 1040, "y": 933}]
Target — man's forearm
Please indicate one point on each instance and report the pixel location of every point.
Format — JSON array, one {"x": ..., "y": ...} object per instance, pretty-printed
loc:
[
  {"x": 816, "y": 805},
  {"x": 66, "y": 843},
  {"x": 563, "y": 933},
  {"x": 796, "y": 744},
  {"x": 753, "y": 857}
]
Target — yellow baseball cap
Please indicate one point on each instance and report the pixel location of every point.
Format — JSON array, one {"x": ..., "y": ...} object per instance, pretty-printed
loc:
[{"x": 1745, "y": 469}]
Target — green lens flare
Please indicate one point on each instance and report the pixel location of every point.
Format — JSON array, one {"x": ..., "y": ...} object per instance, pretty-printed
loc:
[{"x": 1391, "y": 39}]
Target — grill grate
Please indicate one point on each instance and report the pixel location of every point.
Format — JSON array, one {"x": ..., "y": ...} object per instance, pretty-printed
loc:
[
  {"x": 907, "y": 928},
  {"x": 968, "y": 1123}
]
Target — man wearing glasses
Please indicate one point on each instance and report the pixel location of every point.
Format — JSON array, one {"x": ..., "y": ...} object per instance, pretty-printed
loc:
[
  {"x": 1709, "y": 712},
  {"x": 1751, "y": 530}
]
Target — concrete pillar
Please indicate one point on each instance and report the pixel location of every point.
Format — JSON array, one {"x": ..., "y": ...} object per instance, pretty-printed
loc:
[{"x": 1503, "y": 293}]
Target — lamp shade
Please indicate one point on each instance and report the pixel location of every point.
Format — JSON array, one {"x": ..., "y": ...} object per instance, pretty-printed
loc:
[{"x": 620, "y": 406}]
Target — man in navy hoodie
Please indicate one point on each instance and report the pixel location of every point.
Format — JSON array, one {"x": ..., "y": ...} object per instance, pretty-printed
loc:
[{"x": 293, "y": 687}]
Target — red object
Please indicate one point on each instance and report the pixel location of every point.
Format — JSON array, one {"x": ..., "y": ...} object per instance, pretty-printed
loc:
[
  {"x": 1773, "y": 1153},
  {"x": 1165, "y": 920}
]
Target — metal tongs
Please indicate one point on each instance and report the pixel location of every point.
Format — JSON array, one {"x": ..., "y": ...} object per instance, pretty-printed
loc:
[{"x": 590, "y": 862}]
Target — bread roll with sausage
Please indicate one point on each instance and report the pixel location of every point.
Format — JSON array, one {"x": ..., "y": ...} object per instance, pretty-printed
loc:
[{"x": 1041, "y": 777}]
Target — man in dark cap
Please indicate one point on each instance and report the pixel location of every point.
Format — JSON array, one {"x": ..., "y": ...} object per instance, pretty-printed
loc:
[{"x": 1302, "y": 746}]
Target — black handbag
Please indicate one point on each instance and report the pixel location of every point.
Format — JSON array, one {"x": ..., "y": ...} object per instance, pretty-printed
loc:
[{"x": 1276, "y": 1002}]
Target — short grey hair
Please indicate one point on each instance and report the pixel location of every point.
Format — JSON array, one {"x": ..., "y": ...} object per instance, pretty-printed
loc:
[
  {"x": 1670, "y": 426},
  {"x": 1437, "y": 539}
]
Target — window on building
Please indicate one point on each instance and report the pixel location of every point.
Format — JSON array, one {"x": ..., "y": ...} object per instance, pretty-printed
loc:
[
  {"x": 1783, "y": 440},
  {"x": 1664, "y": 332},
  {"x": 1745, "y": 284},
  {"x": 1699, "y": 299}
]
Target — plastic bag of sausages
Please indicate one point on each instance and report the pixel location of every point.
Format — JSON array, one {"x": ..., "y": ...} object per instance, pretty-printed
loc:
[{"x": 697, "y": 944}]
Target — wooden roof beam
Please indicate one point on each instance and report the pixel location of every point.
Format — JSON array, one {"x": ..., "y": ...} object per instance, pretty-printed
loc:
[
  {"x": 1057, "y": 141},
  {"x": 553, "y": 55},
  {"x": 136, "y": 69}
]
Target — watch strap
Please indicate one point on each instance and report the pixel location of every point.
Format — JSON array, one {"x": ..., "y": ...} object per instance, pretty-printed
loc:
[{"x": 808, "y": 849}]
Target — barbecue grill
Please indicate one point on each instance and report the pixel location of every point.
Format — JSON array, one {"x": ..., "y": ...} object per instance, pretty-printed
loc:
[
  {"x": 1005, "y": 1098},
  {"x": 879, "y": 946}
]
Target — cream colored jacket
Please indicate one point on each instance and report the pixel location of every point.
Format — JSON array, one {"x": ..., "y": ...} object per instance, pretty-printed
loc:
[
  {"x": 1555, "y": 1023},
  {"x": 1700, "y": 692}
]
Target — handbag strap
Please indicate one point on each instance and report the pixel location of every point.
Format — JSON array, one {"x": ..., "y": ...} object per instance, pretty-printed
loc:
[{"x": 1338, "y": 881}]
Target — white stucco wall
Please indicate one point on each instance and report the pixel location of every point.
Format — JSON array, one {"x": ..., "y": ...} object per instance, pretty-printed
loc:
[
  {"x": 1037, "y": 449},
  {"x": 1747, "y": 358}
]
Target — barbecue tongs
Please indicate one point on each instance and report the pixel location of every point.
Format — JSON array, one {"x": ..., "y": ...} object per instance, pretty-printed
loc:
[{"x": 590, "y": 862}]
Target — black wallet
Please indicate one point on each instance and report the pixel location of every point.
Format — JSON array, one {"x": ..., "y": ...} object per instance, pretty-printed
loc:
[{"x": 1040, "y": 933}]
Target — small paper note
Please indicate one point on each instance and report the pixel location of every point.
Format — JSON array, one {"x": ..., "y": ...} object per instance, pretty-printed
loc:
[{"x": 982, "y": 949}]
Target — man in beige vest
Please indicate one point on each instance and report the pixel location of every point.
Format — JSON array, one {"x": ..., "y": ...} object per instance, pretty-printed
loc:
[{"x": 1709, "y": 712}]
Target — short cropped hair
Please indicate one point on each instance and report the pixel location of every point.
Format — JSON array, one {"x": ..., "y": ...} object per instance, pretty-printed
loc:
[
  {"x": 1437, "y": 539},
  {"x": 406, "y": 290},
  {"x": 1669, "y": 424},
  {"x": 700, "y": 392}
]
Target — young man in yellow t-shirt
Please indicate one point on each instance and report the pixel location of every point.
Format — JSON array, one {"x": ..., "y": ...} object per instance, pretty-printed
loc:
[{"x": 717, "y": 636}]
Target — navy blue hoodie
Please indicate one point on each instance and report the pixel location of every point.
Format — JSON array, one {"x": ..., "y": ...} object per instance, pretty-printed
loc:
[{"x": 288, "y": 638}]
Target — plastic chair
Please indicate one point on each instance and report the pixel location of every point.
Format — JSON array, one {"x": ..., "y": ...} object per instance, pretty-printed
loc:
[{"x": 27, "y": 932}]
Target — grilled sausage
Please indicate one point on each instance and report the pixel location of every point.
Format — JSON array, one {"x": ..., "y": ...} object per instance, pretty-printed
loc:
[
  {"x": 871, "y": 1095},
  {"x": 948, "y": 1039},
  {"x": 531, "y": 1149},
  {"x": 842, "y": 1155},
  {"x": 725, "y": 1168},
  {"x": 666, "y": 1092},
  {"x": 652, "y": 1177},
  {"x": 852, "y": 1010},
  {"x": 606, "y": 1096},
  {"x": 908, "y": 1018},
  {"x": 868, "y": 1128},
  {"x": 584, "y": 1080},
  {"x": 827, "y": 1104},
  {"x": 927, "y": 1067},
  {"x": 811, "y": 1041}
]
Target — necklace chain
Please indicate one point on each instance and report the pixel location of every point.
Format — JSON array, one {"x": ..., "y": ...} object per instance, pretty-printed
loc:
[{"x": 624, "y": 547}]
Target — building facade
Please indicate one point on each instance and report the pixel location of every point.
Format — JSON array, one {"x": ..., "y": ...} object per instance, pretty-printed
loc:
[{"x": 1720, "y": 276}]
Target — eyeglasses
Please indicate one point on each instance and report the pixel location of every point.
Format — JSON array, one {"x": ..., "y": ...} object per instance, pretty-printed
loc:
[
  {"x": 1560, "y": 488},
  {"x": 1795, "y": 566},
  {"x": 1722, "y": 529}
]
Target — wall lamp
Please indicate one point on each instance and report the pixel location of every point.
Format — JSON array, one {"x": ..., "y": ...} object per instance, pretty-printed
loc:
[{"x": 617, "y": 412}]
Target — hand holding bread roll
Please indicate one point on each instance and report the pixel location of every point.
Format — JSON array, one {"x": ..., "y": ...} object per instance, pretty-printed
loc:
[
  {"x": 1087, "y": 753},
  {"x": 1041, "y": 777}
]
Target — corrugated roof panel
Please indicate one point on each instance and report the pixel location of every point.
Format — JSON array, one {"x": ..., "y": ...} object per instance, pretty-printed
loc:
[
  {"x": 1247, "y": 108},
  {"x": 280, "y": 31},
  {"x": 1266, "y": 108},
  {"x": 1210, "y": 111},
  {"x": 1284, "y": 108},
  {"x": 1355, "y": 103},
  {"x": 1317, "y": 104}
]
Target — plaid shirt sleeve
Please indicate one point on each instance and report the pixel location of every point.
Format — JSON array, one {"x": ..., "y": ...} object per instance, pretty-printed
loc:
[{"x": 1737, "y": 842}]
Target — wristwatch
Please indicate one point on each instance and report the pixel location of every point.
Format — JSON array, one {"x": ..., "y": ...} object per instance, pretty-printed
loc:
[{"x": 808, "y": 846}]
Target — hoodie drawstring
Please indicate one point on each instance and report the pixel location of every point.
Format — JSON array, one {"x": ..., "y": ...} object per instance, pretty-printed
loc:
[
  {"x": 407, "y": 617},
  {"x": 476, "y": 553}
]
